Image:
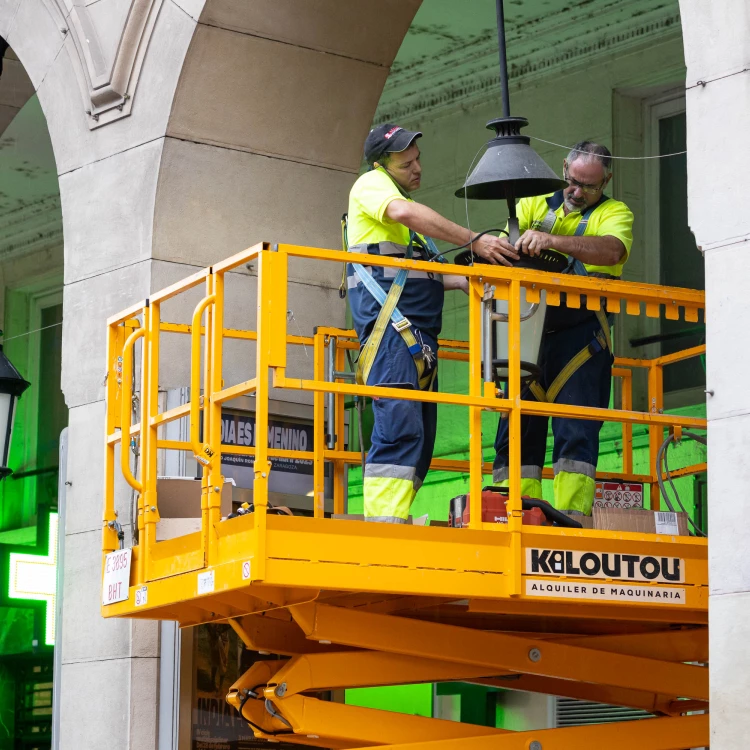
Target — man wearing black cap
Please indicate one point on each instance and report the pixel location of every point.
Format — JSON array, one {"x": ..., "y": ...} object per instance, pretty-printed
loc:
[{"x": 399, "y": 348}]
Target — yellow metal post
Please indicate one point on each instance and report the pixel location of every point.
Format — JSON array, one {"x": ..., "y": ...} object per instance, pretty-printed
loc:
[
  {"x": 627, "y": 428},
  {"x": 515, "y": 513},
  {"x": 213, "y": 409},
  {"x": 476, "y": 460},
  {"x": 270, "y": 352},
  {"x": 339, "y": 466},
  {"x": 149, "y": 409},
  {"x": 319, "y": 426},
  {"x": 115, "y": 341},
  {"x": 125, "y": 424},
  {"x": 655, "y": 432},
  {"x": 201, "y": 450}
]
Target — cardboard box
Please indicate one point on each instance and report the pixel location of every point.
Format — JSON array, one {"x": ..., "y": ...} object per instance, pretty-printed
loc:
[
  {"x": 587, "y": 522},
  {"x": 180, "y": 506},
  {"x": 644, "y": 521}
]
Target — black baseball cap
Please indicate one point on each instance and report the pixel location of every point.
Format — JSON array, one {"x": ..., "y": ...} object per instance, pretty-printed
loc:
[{"x": 388, "y": 139}]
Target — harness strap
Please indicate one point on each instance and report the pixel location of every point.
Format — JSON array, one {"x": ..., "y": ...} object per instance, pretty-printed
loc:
[
  {"x": 422, "y": 355},
  {"x": 549, "y": 222},
  {"x": 597, "y": 344},
  {"x": 602, "y": 339},
  {"x": 344, "y": 247}
]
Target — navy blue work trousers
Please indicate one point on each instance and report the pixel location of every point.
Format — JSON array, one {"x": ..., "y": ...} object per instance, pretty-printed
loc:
[
  {"x": 403, "y": 436},
  {"x": 576, "y": 441}
]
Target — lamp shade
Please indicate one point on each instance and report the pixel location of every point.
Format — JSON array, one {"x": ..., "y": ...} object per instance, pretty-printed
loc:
[
  {"x": 12, "y": 385},
  {"x": 509, "y": 168},
  {"x": 532, "y": 330}
]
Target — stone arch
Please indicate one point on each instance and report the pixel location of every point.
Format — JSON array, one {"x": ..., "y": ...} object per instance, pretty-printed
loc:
[
  {"x": 270, "y": 113},
  {"x": 186, "y": 117}
]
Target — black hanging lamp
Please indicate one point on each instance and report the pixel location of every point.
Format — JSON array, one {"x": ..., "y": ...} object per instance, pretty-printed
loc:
[
  {"x": 509, "y": 168},
  {"x": 12, "y": 385}
]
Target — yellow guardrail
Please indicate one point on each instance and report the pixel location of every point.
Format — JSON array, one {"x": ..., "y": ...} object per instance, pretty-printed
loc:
[{"x": 142, "y": 322}]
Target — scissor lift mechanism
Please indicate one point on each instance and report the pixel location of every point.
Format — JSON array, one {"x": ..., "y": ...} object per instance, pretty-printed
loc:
[{"x": 353, "y": 604}]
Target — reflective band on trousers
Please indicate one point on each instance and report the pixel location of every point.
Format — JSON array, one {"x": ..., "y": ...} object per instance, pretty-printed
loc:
[
  {"x": 575, "y": 467},
  {"x": 388, "y": 492},
  {"x": 574, "y": 491},
  {"x": 527, "y": 472},
  {"x": 529, "y": 487}
]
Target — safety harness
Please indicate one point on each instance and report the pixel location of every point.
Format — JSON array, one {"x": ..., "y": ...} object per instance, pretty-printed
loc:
[
  {"x": 603, "y": 337},
  {"x": 425, "y": 359}
]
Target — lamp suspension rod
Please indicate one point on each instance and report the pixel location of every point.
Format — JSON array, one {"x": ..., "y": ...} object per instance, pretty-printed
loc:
[{"x": 503, "y": 58}]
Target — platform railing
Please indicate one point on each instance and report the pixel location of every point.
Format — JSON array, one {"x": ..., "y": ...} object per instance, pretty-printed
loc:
[{"x": 331, "y": 385}]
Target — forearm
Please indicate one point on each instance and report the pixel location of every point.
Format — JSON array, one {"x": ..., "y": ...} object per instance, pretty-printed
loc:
[
  {"x": 422, "y": 219},
  {"x": 594, "y": 251},
  {"x": 452, "y": 283}
]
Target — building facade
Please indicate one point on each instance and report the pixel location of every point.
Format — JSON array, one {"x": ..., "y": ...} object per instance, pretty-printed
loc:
[{"x": 145, "y": 139}]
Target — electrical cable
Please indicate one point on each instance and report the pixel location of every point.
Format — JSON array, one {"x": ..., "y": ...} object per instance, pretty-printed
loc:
[
  {"x": 134, "y": 447},
  {"x": 470, "y": 242},
  {"x": 276, "y": 715},
  {"x": 661, "y": 458},
  {"x": 697, "y": 530},
  {"x": 255, "y": 727}
]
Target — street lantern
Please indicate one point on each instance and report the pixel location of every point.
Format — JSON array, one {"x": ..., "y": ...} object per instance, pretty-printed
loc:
[
  {"x": 511, "y": 169},
  {"x": 12, "y": 385}
]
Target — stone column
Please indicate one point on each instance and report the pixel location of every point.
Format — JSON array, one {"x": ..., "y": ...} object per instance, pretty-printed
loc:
[
  {"x": 108, "y": 152},
  {"x": 717, "y": 51}
]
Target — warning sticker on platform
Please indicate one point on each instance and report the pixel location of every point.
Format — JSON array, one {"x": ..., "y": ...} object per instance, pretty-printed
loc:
[{"x": 607, "y": 592}]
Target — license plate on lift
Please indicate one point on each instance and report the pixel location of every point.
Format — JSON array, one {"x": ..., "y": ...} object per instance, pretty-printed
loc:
[
  {"x": 618, "y": 495},
  {"x": 116, "y": 576}
]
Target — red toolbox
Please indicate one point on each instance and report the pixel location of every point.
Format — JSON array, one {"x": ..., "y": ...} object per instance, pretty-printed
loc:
[{"x": 493, "y": 511}]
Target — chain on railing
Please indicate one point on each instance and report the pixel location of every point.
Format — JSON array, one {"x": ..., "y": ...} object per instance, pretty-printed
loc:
[{"x": 331, "y": 384}]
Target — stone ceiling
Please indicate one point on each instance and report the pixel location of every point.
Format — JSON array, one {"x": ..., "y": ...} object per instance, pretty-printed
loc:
[
  {"x": 450, "y": 53},
  {"x": 30, "y": 216}
]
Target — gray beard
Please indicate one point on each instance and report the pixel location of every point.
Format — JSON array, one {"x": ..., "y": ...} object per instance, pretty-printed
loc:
[{"x": 572, "y": 207}]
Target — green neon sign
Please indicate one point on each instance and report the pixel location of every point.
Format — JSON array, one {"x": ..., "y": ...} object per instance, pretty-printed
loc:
[{"x": 34, "y": 577}]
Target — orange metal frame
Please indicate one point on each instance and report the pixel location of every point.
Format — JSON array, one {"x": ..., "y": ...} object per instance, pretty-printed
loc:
[{"x": 352, "y": 603}]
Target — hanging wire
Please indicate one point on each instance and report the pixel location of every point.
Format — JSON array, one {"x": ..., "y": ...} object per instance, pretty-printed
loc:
[
  {"x": 551, "y": 143},
  {"x": 290, "y": 316},
  {"x": 28, "y": 333},
  {"x": 623, "y": 158},
  {"x": 466, "y": 200}
]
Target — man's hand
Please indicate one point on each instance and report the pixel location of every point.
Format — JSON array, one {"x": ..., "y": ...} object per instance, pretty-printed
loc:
[
  {"x": 495, "y": 250},
  {"x": 532, "y": 242}
]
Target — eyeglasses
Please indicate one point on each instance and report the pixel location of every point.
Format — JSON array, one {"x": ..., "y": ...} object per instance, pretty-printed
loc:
[{"x": 587, "y": 189}]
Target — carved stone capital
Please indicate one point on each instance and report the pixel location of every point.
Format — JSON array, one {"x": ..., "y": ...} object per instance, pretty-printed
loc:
[{"x": 108, "y": 82}]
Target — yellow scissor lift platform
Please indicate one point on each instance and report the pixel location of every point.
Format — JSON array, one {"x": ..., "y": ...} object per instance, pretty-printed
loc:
[{"x": 354, "y": 604}]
